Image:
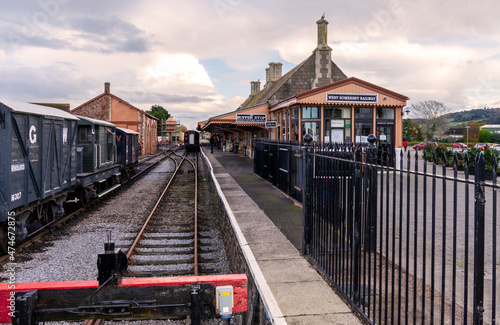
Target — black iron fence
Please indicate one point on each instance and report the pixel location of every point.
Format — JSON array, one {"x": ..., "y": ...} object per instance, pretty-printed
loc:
[{"x": 414, "y": 243}]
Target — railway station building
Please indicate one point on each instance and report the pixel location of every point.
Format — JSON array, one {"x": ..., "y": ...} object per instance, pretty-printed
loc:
[
  {"x": 113, "y": 109},
  {"x": 315, "y": 97}
]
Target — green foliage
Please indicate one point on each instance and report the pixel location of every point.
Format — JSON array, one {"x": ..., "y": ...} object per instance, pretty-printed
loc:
[
  {"x": 495, "y": 137},
  {"x": 441, "y": 151},
  {"x": 159, "y": 112},
  {"x": 484, "y": 136},
  {"x": 412, "y": 131}
]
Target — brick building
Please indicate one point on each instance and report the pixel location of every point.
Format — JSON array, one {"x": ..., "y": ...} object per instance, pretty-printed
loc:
[
  {"x": 315, "y": 71},
  {"x": 317, "y": 98},
  {"x": 111, "y": 108}
]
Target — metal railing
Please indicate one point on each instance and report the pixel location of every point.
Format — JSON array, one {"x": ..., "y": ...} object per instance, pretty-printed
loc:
[{"x": 411, "y": 243}]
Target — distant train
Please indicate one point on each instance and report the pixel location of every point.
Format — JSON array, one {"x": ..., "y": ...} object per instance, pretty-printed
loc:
[
  {"x": 192, "y": 140},
  {"x": 50, "y": 157}
]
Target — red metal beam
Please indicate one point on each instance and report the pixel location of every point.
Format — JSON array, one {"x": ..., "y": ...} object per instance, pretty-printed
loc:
[{"x": 238, "y": 281}]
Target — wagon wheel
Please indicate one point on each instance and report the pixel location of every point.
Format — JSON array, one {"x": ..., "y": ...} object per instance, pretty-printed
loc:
[
  {"x": 44, "y": 213},
  {"x": 4, "y": 238}
]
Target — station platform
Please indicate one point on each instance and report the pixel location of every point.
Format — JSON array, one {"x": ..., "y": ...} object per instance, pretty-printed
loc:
[{"x": 269, "y": 226}]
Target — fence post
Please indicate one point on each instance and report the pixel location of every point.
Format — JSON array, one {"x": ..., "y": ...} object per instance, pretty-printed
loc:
[
  {"x": 306, "y": 194},
  {"x": 256, "y": 158},
  {"x": 479, "y": 203},
  {"x": 357, "y": 227},
  {"x": 371, "y": 222}
]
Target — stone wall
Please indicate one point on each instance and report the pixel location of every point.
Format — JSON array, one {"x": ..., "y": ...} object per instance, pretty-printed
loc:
[{"x": 256, "y": 313}]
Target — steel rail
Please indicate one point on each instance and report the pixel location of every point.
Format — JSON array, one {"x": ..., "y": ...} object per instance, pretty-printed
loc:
[
  {"x": 196, "y": 215},
  {"x": 132, "y": 248}
]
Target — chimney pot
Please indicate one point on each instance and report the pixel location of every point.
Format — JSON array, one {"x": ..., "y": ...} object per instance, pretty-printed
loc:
[
  {"x": 254, "y": 87},
  {"x": 107, "y": 87}
]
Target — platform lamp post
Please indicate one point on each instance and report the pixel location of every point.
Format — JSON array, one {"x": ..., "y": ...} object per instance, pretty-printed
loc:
[{"x": 467, "y": 127}]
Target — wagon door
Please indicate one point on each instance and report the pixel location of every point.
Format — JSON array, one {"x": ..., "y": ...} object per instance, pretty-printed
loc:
[{"x": 52, "y": 153}]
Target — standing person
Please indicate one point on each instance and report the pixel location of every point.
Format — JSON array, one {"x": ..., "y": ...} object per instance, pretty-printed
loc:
[
  {"x": 212, "y": 144},
  {"x": 405, "y": 144}
]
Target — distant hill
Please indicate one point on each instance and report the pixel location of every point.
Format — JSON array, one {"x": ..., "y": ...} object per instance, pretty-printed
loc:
[{"x": 486, "y": 115}]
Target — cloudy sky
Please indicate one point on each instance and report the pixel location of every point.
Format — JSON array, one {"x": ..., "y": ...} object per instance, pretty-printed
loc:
[{"x": 196, "y": 58}]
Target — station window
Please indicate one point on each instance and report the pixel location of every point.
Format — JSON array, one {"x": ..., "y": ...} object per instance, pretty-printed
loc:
[
  {"x": 311, "y": 128},
  {"x": 310, "y": 112},
  {"x": 294, "y": 124},
  {"x": 363, "y": 113},
  {"x": 337, "y": 112},
  {"x": 385, "y": 113},
  {"x": 361, "y": 131}
]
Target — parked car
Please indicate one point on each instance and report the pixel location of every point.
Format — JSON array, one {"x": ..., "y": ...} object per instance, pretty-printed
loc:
[
  {"x": 459, "y": 145},
  {"x": 480, "y": 145},
  {"x": 494, "y": 146},
  {"x": 423, "y": 144}
]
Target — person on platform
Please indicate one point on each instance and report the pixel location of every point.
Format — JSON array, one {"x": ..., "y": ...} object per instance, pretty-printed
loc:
[
  {"x": 212, "y": 144},
  {"x": 405, "y": 144}
]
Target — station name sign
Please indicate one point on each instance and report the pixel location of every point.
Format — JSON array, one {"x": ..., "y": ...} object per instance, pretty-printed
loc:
[
  {"x": 352, "y": 98},
  {"x": 251, "y": 118},
  {"x": 271, "y": 124}
]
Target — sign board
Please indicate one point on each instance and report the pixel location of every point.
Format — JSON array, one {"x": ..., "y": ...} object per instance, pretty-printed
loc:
[
  {"x": 351, "y": 98},
  {"x": 337, "y": 123},
  {"x": 385, "y": 122},
  {"x": 271, "y": 124},
  {"x": 251, "y": 118}
]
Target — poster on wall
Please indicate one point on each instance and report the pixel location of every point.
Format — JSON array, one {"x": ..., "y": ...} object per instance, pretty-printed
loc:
[
  {"x": 337, "y": 135},
  {"x": 361, "y": 139}
]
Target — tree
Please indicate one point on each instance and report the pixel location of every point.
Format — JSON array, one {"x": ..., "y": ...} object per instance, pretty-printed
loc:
[
  {"x": 484, "y": 136},
  {"x": 474, "y": 130},
  {"x": 430, "y": 116},
  {"x": 412, "y": 131},
  {"x": 159, "y": 112}
]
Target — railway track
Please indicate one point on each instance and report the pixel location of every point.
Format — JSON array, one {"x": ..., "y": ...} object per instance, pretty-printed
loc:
[
  {"x": 173, "y": 241},
  {"x": 144, "y": 166}
]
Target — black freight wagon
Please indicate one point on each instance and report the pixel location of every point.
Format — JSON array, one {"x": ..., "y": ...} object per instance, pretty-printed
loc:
[
  {"x": 127, "y": 145},
  {"x": 37, "y": 163}
]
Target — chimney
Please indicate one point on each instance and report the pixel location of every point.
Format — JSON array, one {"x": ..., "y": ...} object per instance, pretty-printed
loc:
[
  {"x": 322, "y": 34},
  {"x": 278, "y": 70},
  {"x": 106, "y": 87},
  {"x": 272, "y": 71},
  {"x": 254, "y": 87},
  {"x": 268, "y": 75},
  {"x": 323, "y": 56}
]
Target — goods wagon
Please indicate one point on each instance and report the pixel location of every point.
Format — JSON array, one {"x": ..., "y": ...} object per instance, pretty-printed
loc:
[
  {"x": 127, "y": 145},
  {"x": 97, "y": 170},
  {"x": 38, "y": 164}
]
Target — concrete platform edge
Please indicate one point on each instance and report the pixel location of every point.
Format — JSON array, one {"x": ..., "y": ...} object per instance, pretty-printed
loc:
[{"x": 272, "y": 307}]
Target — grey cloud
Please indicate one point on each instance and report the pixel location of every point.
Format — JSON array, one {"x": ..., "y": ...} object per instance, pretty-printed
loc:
[
  {"x": 104, "y": 34},
  {"x": 109, "y": 34},
  {"x": 175, "y": 99}
]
